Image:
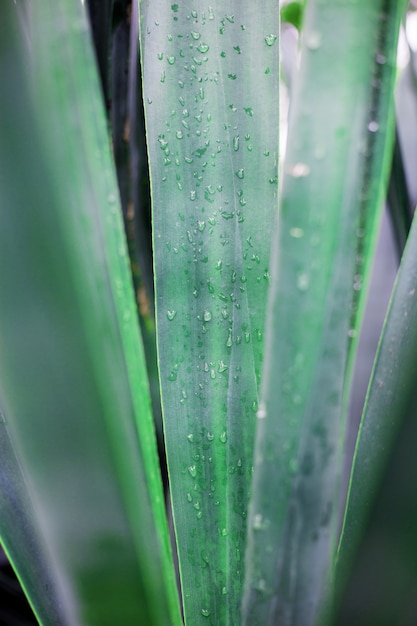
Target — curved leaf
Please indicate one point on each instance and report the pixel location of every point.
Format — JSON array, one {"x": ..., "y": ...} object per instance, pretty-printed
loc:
[{"x": 72, "y": 372}]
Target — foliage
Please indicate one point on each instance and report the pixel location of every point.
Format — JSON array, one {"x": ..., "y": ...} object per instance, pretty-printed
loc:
[{"x": 235, "y": 309}]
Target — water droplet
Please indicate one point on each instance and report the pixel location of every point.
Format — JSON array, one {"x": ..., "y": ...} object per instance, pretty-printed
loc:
[
  {"x": 203, "y": 47},
  {"x": 205, "y": 612},
  {"x": 210, "y": 436},
  {"x": 212, "y": 374},
  {"x": 207, "y": 316},
  {"x": 229, "y": 342},
  {"x": 199, "y": 515},
  {"x": 192, "y": 470},
  {"x": 171, "y": 314},
  {"x": 270, "y": 39},
  {"x": 259, "y": 335},
  {"x": 189, "y": 497},
  {"x": 178, "y": 134},
  {"x": 296, "y": 232},
  {"x": 261, "y": 413},
  {"x": 299, "y": 170},
  {"x": 223, "y": 437},
  {"x": 380, "y": 59},
  {"x": 314, "y": 40},
  {"x": 222, "y": 367},
  {"x": 162, "y": 79},
  {"x": 373, "y": 126},
  {"x": 303, "y": 281},
  {"x": 171, "y": 60},
  {"x": 162, "y": 142},
  {"x": 224, "y": 591},
  {"x": 258, "y": 523},
  {"x": 192, "y": 195},
  {"x": 190, "y": 438},
  {"x": 247, "y": 337},
  {"x": 240, "y": 173},
  {"x": 248, "y": 111}
]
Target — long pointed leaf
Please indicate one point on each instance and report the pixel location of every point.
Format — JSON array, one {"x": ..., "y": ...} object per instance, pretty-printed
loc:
[
  {"x": 335, "y": 172},
  {"x": 390, "y": 405},
  {"x": 72, "y": 373},
  {"x": 210, "y": 86}
]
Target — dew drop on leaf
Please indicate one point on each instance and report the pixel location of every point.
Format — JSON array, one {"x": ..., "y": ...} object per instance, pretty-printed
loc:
[
  {"x": 314, "y": 40},
  {"x": 296, "y": 232},
  {"x": 223, "y": 437},
  {"x": 299, "y": 170},
  {"x": 171, "y": 314},
  {"x": 203, "y": 47},
  {"x": 205, "y": 612},
  {"x": 270, "y": 39},
  {"x": 303, "y": 281}
]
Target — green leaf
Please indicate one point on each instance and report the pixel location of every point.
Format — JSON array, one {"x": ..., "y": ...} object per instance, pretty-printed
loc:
[
  {"x": 72, "y": 373},
  {"x": 335, "y": 173},
  {"x": 292, "y": 13},
  {"x": 21, "y": 537},
  {"x": 389, "y": 413},
  {"x": 211, "y": 96}
]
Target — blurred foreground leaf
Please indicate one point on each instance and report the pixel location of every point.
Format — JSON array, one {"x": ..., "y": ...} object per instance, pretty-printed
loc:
[
  {"x": 335, "y": 174},
  {"x": 72, "y": 374}
]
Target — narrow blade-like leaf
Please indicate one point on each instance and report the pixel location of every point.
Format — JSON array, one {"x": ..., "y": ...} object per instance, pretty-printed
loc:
[
  {"x": 335, "y": 172},
  {"x": 390, "y": 405},
  {"x": 72, "y": 373},
  {"x": 211, "y": 96}
]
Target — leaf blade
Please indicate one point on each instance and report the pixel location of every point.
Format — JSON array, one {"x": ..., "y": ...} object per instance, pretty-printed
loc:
[
  {"x": 82, "y": 429},
  {"x": 213, "y": 144},
  {"x": 330, "y": 197}
]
